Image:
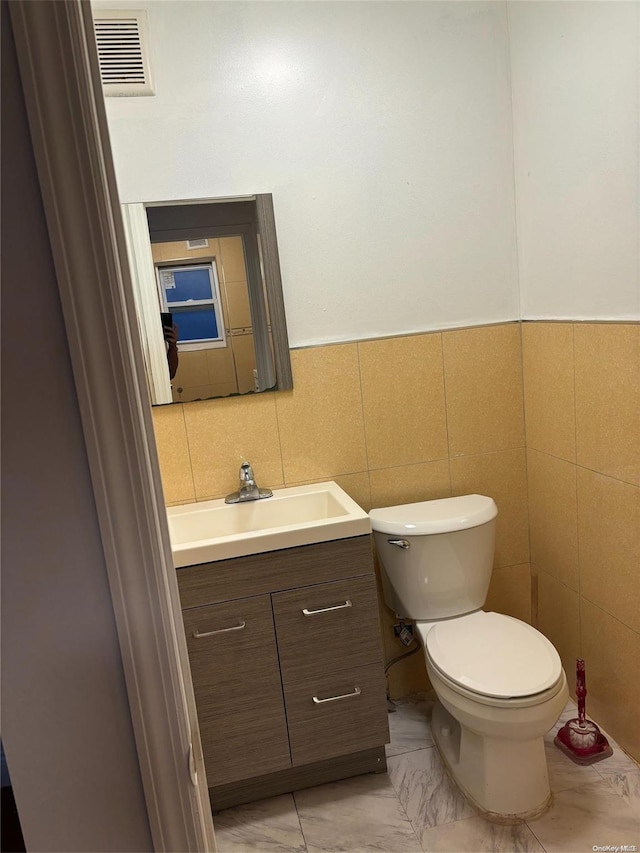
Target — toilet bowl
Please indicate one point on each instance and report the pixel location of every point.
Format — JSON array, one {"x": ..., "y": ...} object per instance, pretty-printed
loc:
[
  {"x": 500, "y": 688},
  {"x": 499, "y": 682}
]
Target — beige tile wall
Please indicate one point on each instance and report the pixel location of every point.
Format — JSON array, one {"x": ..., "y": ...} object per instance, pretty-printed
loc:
[
  {"x": 427, "y": 416},
  {"x": 392, "y": 421},
  {"x": 582, "y": 405}
]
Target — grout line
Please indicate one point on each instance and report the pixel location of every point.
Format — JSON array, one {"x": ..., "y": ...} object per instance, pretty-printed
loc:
[
  {"x": 562, "y": 583},
  {"x": 575, "y": 435},
  {"x": 295, "y": 805},
  {"x": 551, "y": 455},
  {"x": 575, "y": 465},
  {"x": 275, "y": 404},
  {"x": 410, "y": 464},
  {"x": 608, "y": 476},
  {"x": 446, "y": 412},
  {"x": 531, "y": 830},
  {"x": 611, "y": 615},
  {"x": 487, "y": 452},
  {"x": 186, "y": 435},
  {"x": 533, "y": 576},
  {"x": 364, "y": 422}
]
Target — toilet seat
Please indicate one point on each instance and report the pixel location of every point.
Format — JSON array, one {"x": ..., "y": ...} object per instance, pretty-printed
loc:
[
  {"x": 493, "y": 656},
  {"x": 519, "y": 703}
]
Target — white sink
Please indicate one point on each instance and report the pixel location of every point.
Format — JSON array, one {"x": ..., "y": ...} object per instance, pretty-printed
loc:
[{"x": 213, "y": 530}]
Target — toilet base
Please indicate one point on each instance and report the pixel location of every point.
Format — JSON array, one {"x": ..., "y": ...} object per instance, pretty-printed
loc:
[{"x": 488, "y": 770}]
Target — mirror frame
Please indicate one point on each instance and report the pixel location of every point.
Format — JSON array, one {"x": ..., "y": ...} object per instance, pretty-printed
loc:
[
  {"x": 142, "y": 269},
  {"x": 266, "y": 223}
]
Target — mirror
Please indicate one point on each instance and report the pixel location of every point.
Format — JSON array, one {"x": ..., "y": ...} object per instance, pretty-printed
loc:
[{"x": 208, "y": 292}]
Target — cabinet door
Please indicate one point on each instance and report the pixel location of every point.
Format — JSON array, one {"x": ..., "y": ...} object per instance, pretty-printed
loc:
[
  {"x": 327, "y": 627},
  {"x": 236, "y": 679}
]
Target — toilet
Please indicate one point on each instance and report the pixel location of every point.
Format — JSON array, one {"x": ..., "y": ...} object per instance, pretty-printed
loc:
[{"x": 499, "y": 682}]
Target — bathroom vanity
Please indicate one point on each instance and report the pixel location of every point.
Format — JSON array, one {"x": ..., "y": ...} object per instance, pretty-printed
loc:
[{"x": 286, "y": 660}]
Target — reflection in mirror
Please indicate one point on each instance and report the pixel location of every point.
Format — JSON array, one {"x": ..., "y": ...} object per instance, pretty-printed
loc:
[{"x": 206, "y": 276}]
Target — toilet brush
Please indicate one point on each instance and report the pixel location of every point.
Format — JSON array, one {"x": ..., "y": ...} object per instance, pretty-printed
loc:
[{"x": 581, "y": 739}]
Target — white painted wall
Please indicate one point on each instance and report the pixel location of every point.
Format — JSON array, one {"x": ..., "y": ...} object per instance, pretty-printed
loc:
[
  {"x": 575, "y": 77},
  {"x": 383, "y": 131}
]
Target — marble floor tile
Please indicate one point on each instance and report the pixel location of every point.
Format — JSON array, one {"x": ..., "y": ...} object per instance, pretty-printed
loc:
[
  {"x": 581, "y": 818},
  {"x": 617, "y": 764},
  {"x": 268, "y": 826},
  {"x": 359, "y": 814},
  {"x": 426, "y": 792},
  {"x": 417, "y": 807},
  {"x": 410, "y": 725},
  {"x": 565, "y": 773},
  {"x": 627, "y": 786},
  {"x": 476, "y": 835}
]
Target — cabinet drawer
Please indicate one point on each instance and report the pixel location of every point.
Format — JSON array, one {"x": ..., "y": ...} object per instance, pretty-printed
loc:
[
  {"x": 337, "y": 714},
  {"x": 234, "y": 666},
  {"x": 273, "y": 571},
  {"x": 327, "y": 627}
]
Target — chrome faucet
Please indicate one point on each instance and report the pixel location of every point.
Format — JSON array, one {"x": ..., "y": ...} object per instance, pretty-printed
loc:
[{"x": 248, "y": 490}]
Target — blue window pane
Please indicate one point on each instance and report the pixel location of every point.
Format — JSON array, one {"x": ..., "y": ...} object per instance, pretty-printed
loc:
[
  {"x": 189, "y": 284},
  {"x": 196, "y": 324}
]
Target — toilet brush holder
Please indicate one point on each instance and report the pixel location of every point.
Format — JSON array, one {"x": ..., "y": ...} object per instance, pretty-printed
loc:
[{"x": 580, "y": 739}]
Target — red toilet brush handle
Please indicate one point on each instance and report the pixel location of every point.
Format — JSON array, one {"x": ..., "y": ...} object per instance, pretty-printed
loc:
[{"x": 581, "y": 690}]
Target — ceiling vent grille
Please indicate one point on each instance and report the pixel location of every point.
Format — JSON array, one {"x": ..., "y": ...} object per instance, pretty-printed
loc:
[{"x": 123, "y": 52}]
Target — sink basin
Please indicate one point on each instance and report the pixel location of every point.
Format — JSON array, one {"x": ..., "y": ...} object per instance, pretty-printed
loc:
[{"x": 213, "y": 530}]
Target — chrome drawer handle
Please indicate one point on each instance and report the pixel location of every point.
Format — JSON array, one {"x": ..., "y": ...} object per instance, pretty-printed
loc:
[
  {"x": 199, "y": 636},
  {"x": 327, "y": 609},
  {"x": 356, "y": 692}
]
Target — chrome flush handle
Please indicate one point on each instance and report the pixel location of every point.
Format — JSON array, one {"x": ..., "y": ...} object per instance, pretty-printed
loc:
[{"x": 401, "y": 543}]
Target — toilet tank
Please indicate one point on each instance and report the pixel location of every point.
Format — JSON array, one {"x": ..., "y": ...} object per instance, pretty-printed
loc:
[{"x": 436, "y": 557}]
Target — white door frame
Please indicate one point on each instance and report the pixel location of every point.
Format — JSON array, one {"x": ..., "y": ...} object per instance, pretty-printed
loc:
[{"x": 61, "y": 81}]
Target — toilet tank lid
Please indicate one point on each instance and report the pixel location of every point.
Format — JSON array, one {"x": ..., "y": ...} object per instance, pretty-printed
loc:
[{"x": 440, "y": 516}]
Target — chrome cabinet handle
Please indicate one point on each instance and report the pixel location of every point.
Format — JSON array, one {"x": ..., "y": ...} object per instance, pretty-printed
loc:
[
  {"x": 327, "y": 609},
  {"x": 356, "y": 692},
  {"x": 401, "y": 543},
  {"x": 199, "y": 636}
]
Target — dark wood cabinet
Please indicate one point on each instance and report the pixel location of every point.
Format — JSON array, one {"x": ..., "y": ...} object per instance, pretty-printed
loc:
[
  {"x": 234, "y": 666},
  {"x": 289, "y": 680},
  {"x": 336, "y": 713},
  {"x": 327, "y": 627}
]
